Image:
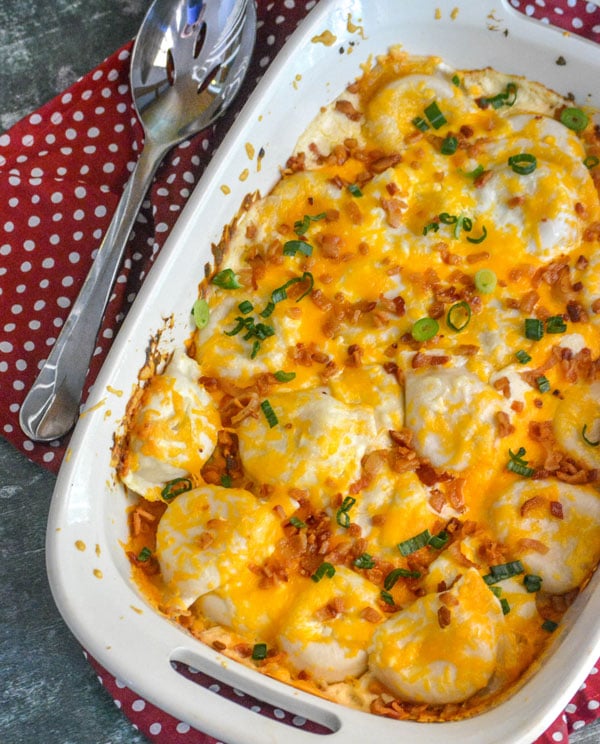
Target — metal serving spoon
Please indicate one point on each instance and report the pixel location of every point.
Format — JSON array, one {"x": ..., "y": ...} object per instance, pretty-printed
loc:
[{"x": 188, "y": 61}]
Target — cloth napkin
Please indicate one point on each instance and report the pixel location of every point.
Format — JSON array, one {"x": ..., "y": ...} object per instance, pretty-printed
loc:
[{"x": 62, "y": 171}]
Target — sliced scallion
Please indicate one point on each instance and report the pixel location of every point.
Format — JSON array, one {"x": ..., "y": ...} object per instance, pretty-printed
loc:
[
  {"x": 259, "y": 651},
  {"x": 522, "y": 356},
  {"x": 291, "y": 247},
  {"x": 200, "y": 313},
  {"x": 364, "y": 560},
  {"x": 523, "y": 164},
  {"x": 485, "y": 281},
  {"x": 534, "y": 329},
  {"x": 424, "y": 329},
  {"x": 226, "y": 279},
  {"x": 532, "y": 583},
  {"x": 586, "y": 439},
  {"x": 449, "y": 145},
  {"x": 175, "y": 487},
  {"x": 435, "y": 116},
  {"x": 459, "y": 316},
  {"x": 406, "y": 547},
  {"x": 574, "y": 118},
  {"x": 325, "y": 569},
  {"x": 555, "y": 324},
  {"x": 282, "y": 376},
  {"x": 342, "y": 517},
  {"x": 269, "y": 413},
  {"x": 503, "y": 571},
  {"x": 543, "y": 383}
]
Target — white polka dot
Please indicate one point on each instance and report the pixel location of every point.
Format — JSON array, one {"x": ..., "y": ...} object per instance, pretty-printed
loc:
[
  {"x": 298, "y": 721},
  {"x": 26, "y": 266},
  {"x": 33, "y": 221},
  {"x": 39, "y": 305},
  {"x": 182, "y": 728},
  {"x": 78, "y": 215},
  {"x": 9, "y": 227},
  {"x": 138, "y": 705},
  {"x": 557, "y": 736},
  {"x": 593, "y": 705},
  {"x": 29, "y": 245},
  {"x": 74, "y": 257},
  {"x": 155, "y": 728},
  {"x": 93, "y": 132},
  {"x": 34, "y": 325},
  {"x": 63, "y": 302},
  {"x": 215, "y": 688},
  {"x": 278, "y": 713},
  {"x": 16, "y": 309},
  {"x": 48, "y": 263},
  {"x": 6, "y": 347}
]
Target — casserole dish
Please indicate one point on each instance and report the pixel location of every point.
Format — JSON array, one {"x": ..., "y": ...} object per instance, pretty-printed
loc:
[{"x": 87, "y": 523}]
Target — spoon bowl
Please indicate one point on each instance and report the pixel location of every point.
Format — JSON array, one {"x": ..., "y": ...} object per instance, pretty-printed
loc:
[{"x": 188, "y": 62}]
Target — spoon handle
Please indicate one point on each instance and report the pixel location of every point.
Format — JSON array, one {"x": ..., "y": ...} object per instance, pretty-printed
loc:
[{"x": 51, "y": 407}]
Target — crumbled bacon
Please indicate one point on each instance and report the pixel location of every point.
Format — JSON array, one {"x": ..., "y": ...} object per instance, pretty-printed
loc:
[
  {"x": 556, "y": 509},
  {"x": 535, "y": 502},
  {"x": 370, "y": 614},
  {"x": 528, "y": 543},
  {"x": 428, "y": 360},
  {"x": 503, "y": 424},
  {"x": 444, "y": 616},
  {"x": 347, "y": 109}
]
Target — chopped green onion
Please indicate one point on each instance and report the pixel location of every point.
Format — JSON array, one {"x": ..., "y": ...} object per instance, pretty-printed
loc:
[
  {"x": 477, "y": 171},
  {"x": 325, "y": 569},
  {"x": 532, "y": 583},
  {"x": 507, "y": 98},
  {"x": 397, "y": 573},
  {"x": 448, "y": 219},
  {"x": 245, "y": 307},
  {"x": 424, "y": 329},
  {"x": 503, "y": 571},
  {"x": 342, "y": 517},
  {"x": 439, "y": 541},
  {"x": 591, "y": 161},
  {"x": 364, "y": 560},
  {"x": 496, "y": 591},
  {"x": 406, "y": 547},
  {"x": 505, "y": 606},
  {"x": 534, "y": 329},
  {"x": 462, "y": 223},
  {"x": 200, "y": 313},
  {"x": 481, "y": 238},
  {"x": 354, "y": 190},
  {"x": 485, "y": 281},
  {"x": 543, "y": 384},
  {"x": 282, "y": 376},
  {"x": 297, "y": 246},
  {"x": 522, "y": 356},
  {"x": 449, "y": 145},
  {"x": 588, "y": 441},
  {"x": 574, "y": 118},
  {"x": 435, "y": 226},
  {"x": 259, "y": 651},
  {"x": 549, "y": 626},
  {"x": 523, "y": 164},
  {"x": 297, "y": 523},
  {"x": 518, "y": 465},
  {"x": 270, "y": 414},
  {"x": 174, "y": 487},
  {"x": 420, "y": 123},
  {"x": 144, "y": 555},
  {"x": 456, "y": 80},
  {"x": 226, "y": 480},
  {"x": 301, "y": 226},
  {"x": 226, "y": 279},
  {"x": 555, "y": 324},
  {"x": 459, "y": 316},
  {"x": 387, "y": 597},
  {"x": 435, "y": 116}
]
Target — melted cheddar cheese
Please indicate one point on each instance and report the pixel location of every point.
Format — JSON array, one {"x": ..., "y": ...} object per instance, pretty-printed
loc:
[{"x": 379, "y": 459}]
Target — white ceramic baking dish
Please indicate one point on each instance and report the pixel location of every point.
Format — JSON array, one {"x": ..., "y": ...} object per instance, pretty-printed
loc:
[{"x": 88, "y": 571}]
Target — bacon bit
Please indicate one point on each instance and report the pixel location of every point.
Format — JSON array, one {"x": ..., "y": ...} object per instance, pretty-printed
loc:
[
  {"x": 279, "y": 511},
  {"x": 576, "y": 312},
  {"x": 473, "y": 258},
  {"x": 581, "y": 263},
  {"x": 580, "y": 210},
  {"x": 296, "y": 163},
  {"x": 515, "y": 201},
  {"x": 528, "y": 543},
  {"x": 355, "y": 356},
  {"x": 466, "y": 349},
  {"x": 556, "y": 509},
  {"x": 517, "y": 406},
  {"x": 219, "y": 645},
  {"x": 444, "y": 616},
  {"x": 354, "y": 213},
  {"x": 531, "y": 504},
  {"x": 502, "y": 385},
  {"x": 437, "y": 500},
  {"x": 370, "y": 614},
  {"x": 330, "y": 245},
  {"x": 428, "y": 360},
  {"x": 455, "y": 496},
  {"x": 505, "y": 428},
  {"x": 483, "y": 178},
  {"x": 347, "y": 109},
  {"x": 383, "y": 163},
  {"x": 394, "y": 209},
  {"x": 243, "y": 650},
  {"x": 428, "y": 475},
  {"x": 529, "y": 301},
  {"x": 204, "y": 539},
  {"x": 331, "y": 610},
  {"x": 448, "y": 599},
  {"x": 592, "y": 232}
]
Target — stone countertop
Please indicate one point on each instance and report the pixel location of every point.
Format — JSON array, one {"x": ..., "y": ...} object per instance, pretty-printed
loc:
[{"x": 48, "y": 691}]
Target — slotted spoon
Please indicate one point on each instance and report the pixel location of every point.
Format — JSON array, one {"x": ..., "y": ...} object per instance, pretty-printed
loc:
[{"x": 188, "y": 62}]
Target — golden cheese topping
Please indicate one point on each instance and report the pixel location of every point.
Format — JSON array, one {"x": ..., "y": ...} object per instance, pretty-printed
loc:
[{"x": 374, "y": 474}]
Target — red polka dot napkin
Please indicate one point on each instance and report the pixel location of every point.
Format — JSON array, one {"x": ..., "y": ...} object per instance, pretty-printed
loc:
[{"x": 62, "y": 171}]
